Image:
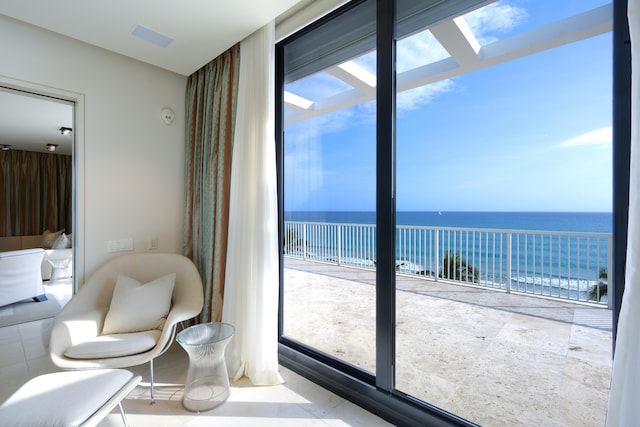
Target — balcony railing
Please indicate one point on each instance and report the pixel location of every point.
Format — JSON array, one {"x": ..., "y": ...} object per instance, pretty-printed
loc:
[{"x": 564, "y": 265}]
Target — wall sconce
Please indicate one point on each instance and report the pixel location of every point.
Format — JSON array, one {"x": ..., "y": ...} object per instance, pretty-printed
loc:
[
  {"x": 6, "y": 147},
  {"x": 52, "y": 147},
  {"x": 65, "y": 131}
]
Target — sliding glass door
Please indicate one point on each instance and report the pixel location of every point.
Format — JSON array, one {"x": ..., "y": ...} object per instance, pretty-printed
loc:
[{"x": 446, "y": 208}]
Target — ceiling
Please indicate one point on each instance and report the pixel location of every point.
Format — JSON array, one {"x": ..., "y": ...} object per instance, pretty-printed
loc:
[
  {"x": 200, "y": 30},
  {"x": 29, "y": 123},
  {"x": 197, "y": 32}
]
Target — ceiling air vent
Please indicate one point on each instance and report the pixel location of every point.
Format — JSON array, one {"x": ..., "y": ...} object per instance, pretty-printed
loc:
[{"x": 151, "y": 36}]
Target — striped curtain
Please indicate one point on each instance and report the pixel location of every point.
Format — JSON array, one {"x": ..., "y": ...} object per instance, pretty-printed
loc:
[
  {"x": 210, "y": 112},
  {"x": 35, "y": 189}
]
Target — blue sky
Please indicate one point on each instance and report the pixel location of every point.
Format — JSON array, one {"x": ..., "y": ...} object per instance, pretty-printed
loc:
[{"x": 532, "y": 134}]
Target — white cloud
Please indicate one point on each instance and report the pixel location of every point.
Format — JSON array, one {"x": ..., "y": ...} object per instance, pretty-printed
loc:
[
  {"x": 602, "y": 136},
  {"x": 419, "y": 49},
  {"x": 414, "y": 98},
  {"x": 499, "y": 17}
]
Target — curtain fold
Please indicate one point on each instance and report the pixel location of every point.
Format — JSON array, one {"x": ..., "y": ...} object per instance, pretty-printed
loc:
[
  {"x": 251, "y": 297},
  {"x": 210, "y": 113},
  {"x": 35, "y": 189},
  {"x": 623, "y": 407}
]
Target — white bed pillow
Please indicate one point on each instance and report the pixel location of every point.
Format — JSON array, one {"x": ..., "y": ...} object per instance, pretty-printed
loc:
[
  {"x": 48, "y": 237},
  {"x": 62, "y": 242},
  {"x": 138, "y": 307}
]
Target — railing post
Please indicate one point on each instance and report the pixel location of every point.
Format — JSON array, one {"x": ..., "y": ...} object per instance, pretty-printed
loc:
[
  {"x": 437, "y": 251},
  {"x": 509, "y": 252},
  {"x": 304, "y": 241},
  {"x": 339, "y": 245}
]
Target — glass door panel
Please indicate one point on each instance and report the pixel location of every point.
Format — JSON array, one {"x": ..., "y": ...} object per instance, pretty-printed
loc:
[
  {"x": 503, "y": 234},
  {"x": 329, "y": 189}
]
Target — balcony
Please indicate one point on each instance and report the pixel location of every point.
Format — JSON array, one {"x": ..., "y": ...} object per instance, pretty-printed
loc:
[{"x": 517, "y": 340}]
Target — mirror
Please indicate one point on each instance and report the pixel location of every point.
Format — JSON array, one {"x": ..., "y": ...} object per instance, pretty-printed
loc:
[{"x": 36, "y": 182}]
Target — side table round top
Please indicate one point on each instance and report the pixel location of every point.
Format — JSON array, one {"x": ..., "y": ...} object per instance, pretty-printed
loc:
[{"x": 205, "y": 333}]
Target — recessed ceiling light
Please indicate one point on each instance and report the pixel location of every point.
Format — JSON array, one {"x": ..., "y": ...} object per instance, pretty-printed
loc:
[
  {"x": 151, "y": 36},
  {"x": 65, "y": 131},
  {"x": 5, "y": 147},
  {"x": 52, "y": 147}
]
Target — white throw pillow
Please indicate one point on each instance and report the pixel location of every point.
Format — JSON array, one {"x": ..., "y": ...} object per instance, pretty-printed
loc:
[{"x": 139, "y": 307}]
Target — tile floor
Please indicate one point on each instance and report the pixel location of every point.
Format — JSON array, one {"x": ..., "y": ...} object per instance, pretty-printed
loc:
[{"x": 298, "y": 402}]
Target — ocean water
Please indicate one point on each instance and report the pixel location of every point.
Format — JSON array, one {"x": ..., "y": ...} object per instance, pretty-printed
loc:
[
  {"x": 590, "y": 222},
  {"x": 547, "y": 255}
]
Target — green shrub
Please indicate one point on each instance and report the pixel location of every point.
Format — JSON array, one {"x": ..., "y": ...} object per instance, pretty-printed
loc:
[
  {"x": 456, "y": 268},
  {"x": 597, "y": 291}
]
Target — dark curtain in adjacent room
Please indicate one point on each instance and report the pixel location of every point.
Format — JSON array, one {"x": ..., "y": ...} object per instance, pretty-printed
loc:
[{"x": 35, "y": 190}]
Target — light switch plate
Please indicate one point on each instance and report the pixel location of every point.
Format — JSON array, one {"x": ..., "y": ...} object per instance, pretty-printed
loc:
[{"x": 120, "y": 245}]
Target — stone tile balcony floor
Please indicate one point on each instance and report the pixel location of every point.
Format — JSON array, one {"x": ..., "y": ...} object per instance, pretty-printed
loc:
[{"x": 494, "y": 358}]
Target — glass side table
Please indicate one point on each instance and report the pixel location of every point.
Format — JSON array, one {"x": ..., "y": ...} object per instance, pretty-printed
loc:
[
  {"x": 207, "y": 384},
  {"x": 60, "y": 262}
]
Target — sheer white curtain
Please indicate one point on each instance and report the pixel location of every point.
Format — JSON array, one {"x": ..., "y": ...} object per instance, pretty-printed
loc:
[
  {"x": 251, "y": 285},
  {"x": 624, "y": 407}
]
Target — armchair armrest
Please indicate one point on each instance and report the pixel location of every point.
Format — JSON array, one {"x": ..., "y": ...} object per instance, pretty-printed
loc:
[{"x": 69, "y": 329}]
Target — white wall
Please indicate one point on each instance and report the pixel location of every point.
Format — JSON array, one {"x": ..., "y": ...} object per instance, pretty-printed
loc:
[{"x": 130, "y": 170}]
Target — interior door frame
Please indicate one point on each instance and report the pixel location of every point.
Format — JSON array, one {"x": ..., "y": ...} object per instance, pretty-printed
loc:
[{"x": 77, "y": 161}]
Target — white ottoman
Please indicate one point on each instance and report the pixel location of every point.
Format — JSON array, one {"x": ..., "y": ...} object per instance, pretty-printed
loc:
[{"x": 69, "y": 398}]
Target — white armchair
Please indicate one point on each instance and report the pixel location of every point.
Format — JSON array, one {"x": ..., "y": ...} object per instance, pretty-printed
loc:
[{"x": 81, "y": 321}]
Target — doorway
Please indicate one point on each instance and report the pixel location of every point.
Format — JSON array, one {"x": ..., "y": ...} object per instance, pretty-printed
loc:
[{"x": 39, "y": 130}]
